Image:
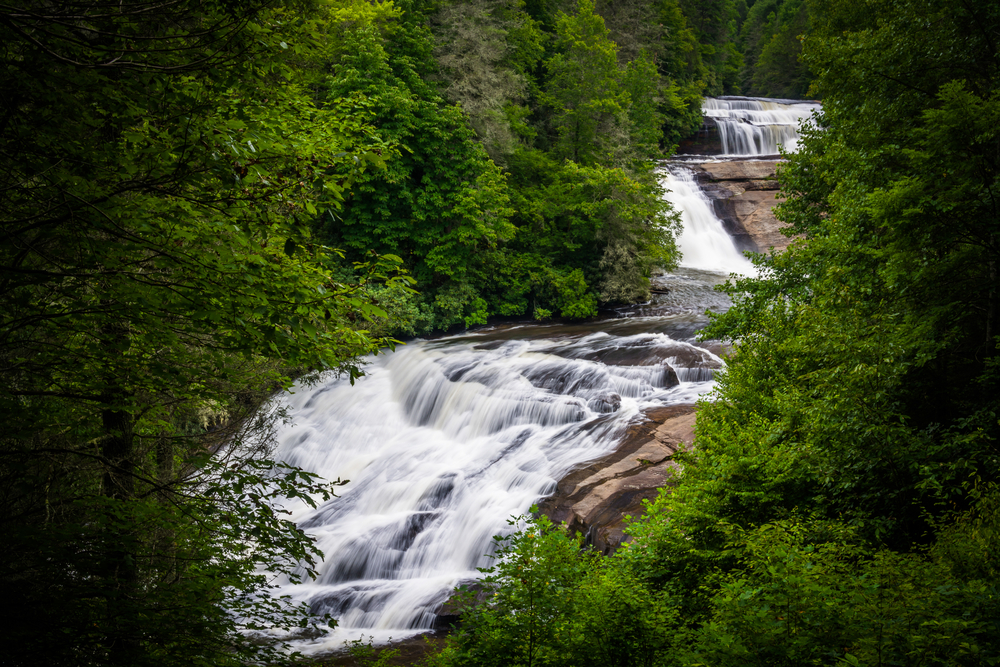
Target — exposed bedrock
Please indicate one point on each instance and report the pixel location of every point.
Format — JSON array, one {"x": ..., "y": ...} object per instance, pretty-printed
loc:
[
  {"x": 706, "y": 141},
  {"x": 596, "y": 498},
  {"x": 743, "y": 193}
]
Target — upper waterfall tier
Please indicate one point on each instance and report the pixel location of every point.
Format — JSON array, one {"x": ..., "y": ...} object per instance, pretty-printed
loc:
[{"x": 750, "y": 127}]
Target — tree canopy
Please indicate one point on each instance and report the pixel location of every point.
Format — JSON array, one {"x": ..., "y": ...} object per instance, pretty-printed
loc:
[{"x": 482, "y": 98}]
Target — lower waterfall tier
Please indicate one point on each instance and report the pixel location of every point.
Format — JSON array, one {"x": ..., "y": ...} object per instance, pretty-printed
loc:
[{"x": 444, "y": 441}]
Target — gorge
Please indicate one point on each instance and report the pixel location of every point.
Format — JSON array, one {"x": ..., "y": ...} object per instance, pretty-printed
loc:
[
  {"x": 445, "y": 440},
  {"x": 208, "y": 205}
]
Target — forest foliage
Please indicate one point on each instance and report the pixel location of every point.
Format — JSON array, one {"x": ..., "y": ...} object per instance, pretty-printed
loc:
[
  {"x": 159, "y": 280},
  {"x": 524, "y": 185},
  {"x": 203, "y": 201},
  {"x": 840, "y": 505}
]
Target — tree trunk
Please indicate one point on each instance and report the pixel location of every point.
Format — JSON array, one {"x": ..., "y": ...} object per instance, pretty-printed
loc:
[{"x": 121, "y": 569}]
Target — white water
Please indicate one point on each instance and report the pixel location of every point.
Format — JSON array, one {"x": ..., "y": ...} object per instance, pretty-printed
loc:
[
  {"x": 443, "y": 442},
  {"x": 756, "y": 127},
  {"x": 703, "y": 242}
]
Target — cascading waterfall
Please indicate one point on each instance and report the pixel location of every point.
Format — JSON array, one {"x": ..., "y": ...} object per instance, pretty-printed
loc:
[
  {"x": 703, "y": 242},
  {"x": 443, "y": 442},
  {"x": 754, "y": 127}
]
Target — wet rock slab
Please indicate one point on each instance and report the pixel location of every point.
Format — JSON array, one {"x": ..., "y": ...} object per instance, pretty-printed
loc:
[
  {"x": 596, "y": 498},
  {"x": 743, "y": 170},
  {"x": 743, "y": 194}
]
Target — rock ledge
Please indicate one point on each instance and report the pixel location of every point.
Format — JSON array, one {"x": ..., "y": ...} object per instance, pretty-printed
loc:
[
  {"x": 743, "y": 192},
  {"x": 596, "y": 498}
]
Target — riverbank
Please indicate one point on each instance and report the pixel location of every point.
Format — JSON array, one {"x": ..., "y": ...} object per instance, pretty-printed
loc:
[{"x": 597, "y": 498}]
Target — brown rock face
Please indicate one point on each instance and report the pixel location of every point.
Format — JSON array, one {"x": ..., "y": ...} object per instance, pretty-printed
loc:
[
  {"x": 706, "y": 141},
  {"x": 595, "y": 499},
  {"x": 743, "y": 194},
  {"x": 742, "y": 171}
]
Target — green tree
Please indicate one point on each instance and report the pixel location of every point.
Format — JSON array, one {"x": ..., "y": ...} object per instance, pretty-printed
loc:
[
  {"x": 487, "y": 52},
  {"x": 682, "y": 72},
  {"x": 441, "y": 204},
  {"x": 715, "y": 27},
  {"x": 551, "y": 603},
  {"x": 772, "y": 48},
  {"x": 531, "y": 586},
  {"x": 809, "y": 593},
  {"x": 584, "y": 89},
  {"x": 444, "y": 206},
  {"x": 159, "y": 281},
  {"x": 657, "y": 33},
  {"x": 611, "y": 225}
]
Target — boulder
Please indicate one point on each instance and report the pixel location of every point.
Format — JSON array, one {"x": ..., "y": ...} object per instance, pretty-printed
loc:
[{"x": 449, "y": 615}]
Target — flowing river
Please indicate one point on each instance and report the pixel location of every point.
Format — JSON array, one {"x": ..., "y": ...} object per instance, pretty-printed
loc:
[{"x": 444, "y": 440}]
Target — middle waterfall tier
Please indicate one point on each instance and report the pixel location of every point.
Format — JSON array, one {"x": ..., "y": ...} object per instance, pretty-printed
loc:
[{"x": 703, "y": 241}]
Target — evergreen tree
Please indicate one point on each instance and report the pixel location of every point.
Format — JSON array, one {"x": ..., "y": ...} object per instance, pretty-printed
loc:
[
  {"x": 715, "y": 27},
  {"x": 771, "y": 42},
  {"x": 584, "y": 89}
]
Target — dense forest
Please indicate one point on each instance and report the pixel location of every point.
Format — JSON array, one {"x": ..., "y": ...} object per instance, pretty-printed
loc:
[
  {"x": 201, "y": 201},
  {"x": 528, "y": 132},
  {"x": 840, "y": 506}
]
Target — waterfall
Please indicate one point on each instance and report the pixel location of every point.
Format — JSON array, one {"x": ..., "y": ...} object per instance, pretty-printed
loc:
[
  {"x": 703, "y": 242},
  {"x": 444, "y": 441},
  {"x": 751, "y": 127}
]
